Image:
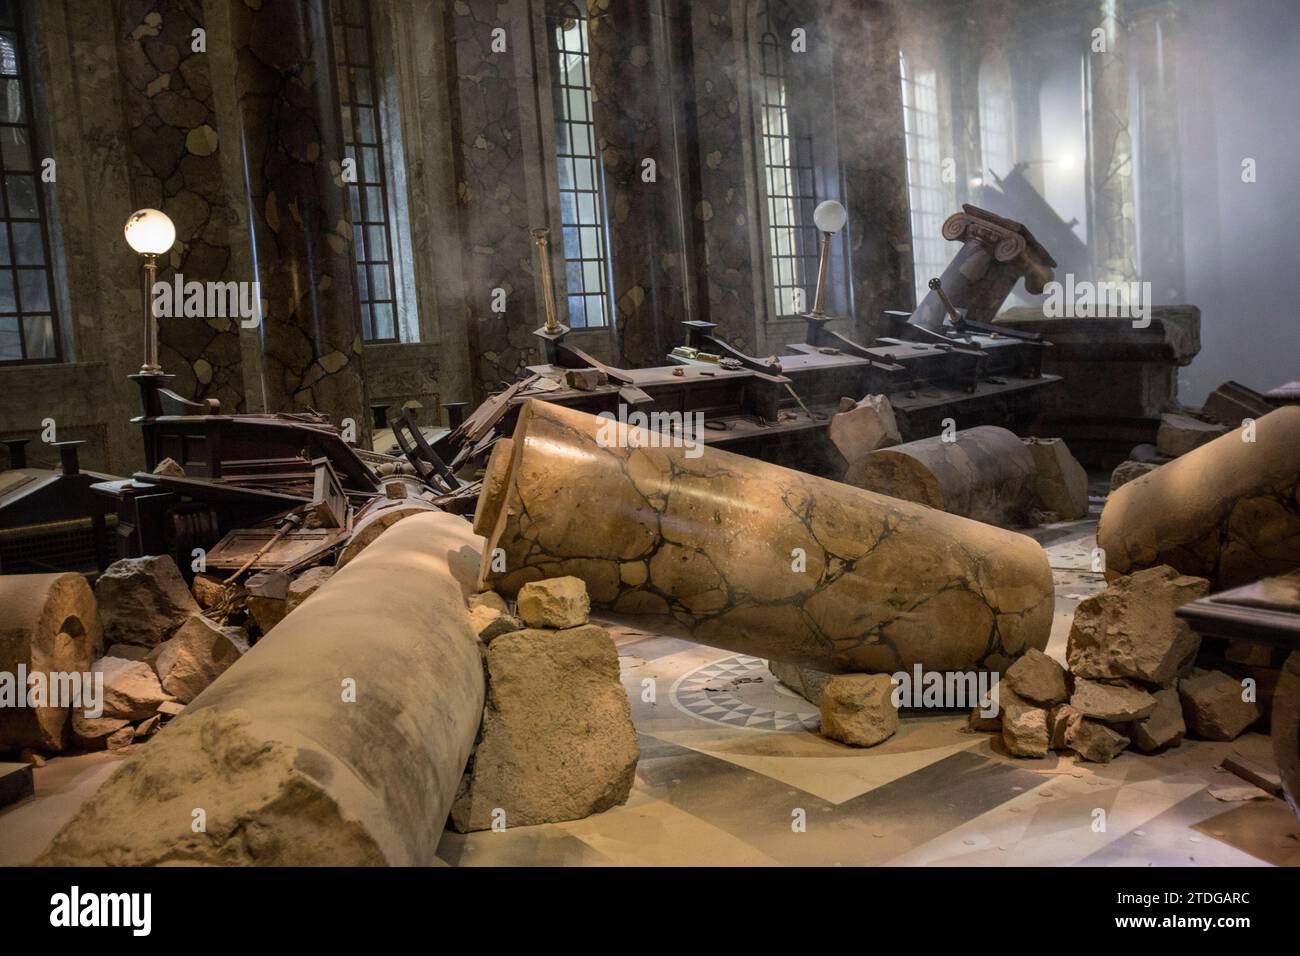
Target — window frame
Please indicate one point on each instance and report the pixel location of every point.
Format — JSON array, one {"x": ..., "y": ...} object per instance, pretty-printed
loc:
[
  {"x": 23, "y": 76},
  {"x": 364, "y": 263},
  {"x": 924, "y": 173},
  {"x": 587, "y": 211},
  {"x": 789, "y": 187}
]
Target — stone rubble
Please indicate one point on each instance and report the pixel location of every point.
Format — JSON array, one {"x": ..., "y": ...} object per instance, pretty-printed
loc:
[
  {"x": 131, "y": 688},
  {"x": 198, "y": 654},
  {"x": 1213, "y": 705},
  {"x": 143, "y": 600},
  {"x": 1037, "y": 678},
  {"x": 1178, "y": 433},
  {"x": 1131, "y": 678},
  {"x": 1060, "y": 482},
  {"x": 557, "y": 741},
  {"x": 858, "y": 709},
  {"x": 1129, "y": 630},
  {"x": 555, "y": 603}
]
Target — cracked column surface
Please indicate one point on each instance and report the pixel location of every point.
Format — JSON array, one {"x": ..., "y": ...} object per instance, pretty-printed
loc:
[
  {"x": 742, "y": 554},
  {"x": 338, "y": 740},
  {"x": 1228, "y": 510}
]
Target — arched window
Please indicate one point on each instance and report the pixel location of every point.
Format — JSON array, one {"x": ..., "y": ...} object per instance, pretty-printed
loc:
[
  {"x": 927, "y": 194},
  {"x": 28, "y": 325}
]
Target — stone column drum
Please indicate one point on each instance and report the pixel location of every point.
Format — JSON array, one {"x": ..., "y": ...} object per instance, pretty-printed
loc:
[
  {"x": 339, "y": 740},
  {"x": 985, "y": 473},
  {"x": 742, "y": 554},
  {"x": 1228, "y": 510}
]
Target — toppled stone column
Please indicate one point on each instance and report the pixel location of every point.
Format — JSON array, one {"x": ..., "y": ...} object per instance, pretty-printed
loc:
[
  {"x": 48, "y": 627},
  {"x": 742, "y": 554},
  {"x": 1228, "y": 511},
  {"x": 985, "y": 473},
  {"x": 339, "y": 740}
]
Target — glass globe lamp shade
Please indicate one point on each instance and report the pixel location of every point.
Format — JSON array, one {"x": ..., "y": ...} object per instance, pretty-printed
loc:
[
  {"x": 150, "y": 232},
  {"x": 830, "y": 216}
]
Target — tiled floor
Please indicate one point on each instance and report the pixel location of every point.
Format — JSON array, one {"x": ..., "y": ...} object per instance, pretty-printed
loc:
[{"x": 731, "y": 766}]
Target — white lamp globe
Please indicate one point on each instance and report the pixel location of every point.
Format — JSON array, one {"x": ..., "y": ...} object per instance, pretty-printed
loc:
[
  {"x": 830, "y": 216},
  {"x": 150, "y": 232}
]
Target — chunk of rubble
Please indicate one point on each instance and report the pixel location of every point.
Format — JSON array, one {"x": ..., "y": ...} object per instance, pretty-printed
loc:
[
  {"x": 858, "y": 709},
  {"x": 489, "y": 623},
  {"x": 267, "y": 598},
  {"x": 200, "y": 652},
  {"x": 1093, "y": 740},
  {"x": 1060, "y": 482},
  {"x": 490, "y": 599},
  {"x": 1129, "y": 630},
  {"x": 1213, "y": 706},
  {"x": 557, "y": 740},
  {"x": 1164, "y": 727},
  {"x": 1037, "y": 678},
  {"x": 863, "y": 427},
  {"x": 147, "y": 728},
  {"x": 1178, "y": 434},
  {"x": 120, "y": 738},
  {"x": 92, "y": 733},
  {"x": 143, "y": 600},
  {"x": 1114, "y": 703},
  {"x": 305, "y": 585},
  {"x": 130, "y": 652},
  {"x": 1058, "y": 722},
  {"x": 1024, "y": 725},
  {"x": 805, "y": 681},
  {"x": 131, "y": 688},
  {"x": 555, "y": 603},
  {"x": 1127, "y": 471},
  {"x": 207, "y": 590}
]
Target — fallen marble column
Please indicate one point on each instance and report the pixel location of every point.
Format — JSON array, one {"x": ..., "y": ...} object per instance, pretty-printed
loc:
[
  {"x": 338, "y": 740},
  {"x": 1228, "y": 510},
  {"x": 985, "y": 473},
  {"x": 742, "y": 554},
  {"x": 48, "y": 627}
]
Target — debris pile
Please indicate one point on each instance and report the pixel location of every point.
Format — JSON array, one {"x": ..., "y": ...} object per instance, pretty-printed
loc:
[
  {"x": 557, "y": 741},
  {"x": 1131, "y": 679}
]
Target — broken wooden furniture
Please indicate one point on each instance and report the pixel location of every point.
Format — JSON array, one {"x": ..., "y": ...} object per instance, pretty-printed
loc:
[
  {"x": 734, "y": 552},
  {"x": 225, "y": 483},
  {"x": 48, "y": 518},
  {"x": 1265, "y": 613}
]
